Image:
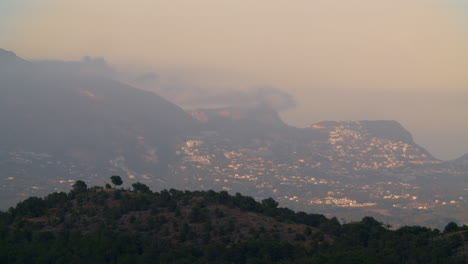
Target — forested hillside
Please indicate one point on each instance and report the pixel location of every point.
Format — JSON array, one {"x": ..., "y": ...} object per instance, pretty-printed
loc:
[{"x": 110, "y": 225}]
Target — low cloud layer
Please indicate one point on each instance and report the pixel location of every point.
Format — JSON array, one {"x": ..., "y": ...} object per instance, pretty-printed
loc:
[
  {"x": 189, "y": 96},
  {"x": 354, "y": 59},
  {"x": 87, "y": 65},
  {"x": 173, "y": 89}
]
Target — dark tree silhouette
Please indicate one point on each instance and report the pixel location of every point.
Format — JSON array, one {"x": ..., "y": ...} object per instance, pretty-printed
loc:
[
  {"x": 141, "y": 188},
  {"x": 80, "y": 186},
  {"x": 116, "y": 180},
  {"x": 451, "y": 227},
  {"x": 270, "y": 203}
]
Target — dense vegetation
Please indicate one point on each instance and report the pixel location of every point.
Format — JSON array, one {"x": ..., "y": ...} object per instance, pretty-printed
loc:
[{"x": 106, "y": 225}]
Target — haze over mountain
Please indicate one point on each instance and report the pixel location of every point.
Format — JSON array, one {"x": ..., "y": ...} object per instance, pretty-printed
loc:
[
  {"x": 71, "y": 115},
  {"x": 71, "y": 120},
  {"x": 353, "y": 60},
  {"x": 237, "y": 114}
]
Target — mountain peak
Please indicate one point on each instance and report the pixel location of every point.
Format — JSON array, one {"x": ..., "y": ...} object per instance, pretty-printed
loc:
[
  {"x": 9, "y": 59},
  {"x": 4, "y": 52}
]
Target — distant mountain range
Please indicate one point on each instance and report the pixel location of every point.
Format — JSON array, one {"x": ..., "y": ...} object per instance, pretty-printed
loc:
[{"x": 62, "y": 122}]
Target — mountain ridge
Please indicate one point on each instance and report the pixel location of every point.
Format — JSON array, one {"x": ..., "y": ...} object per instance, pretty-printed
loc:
[{"x": 60, "y": 123}]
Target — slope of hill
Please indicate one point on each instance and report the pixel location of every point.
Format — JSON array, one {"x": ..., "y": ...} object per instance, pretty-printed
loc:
[
  {"x": 460, "y": 163},
  {"x": 116, "y": 226},
  {"x": 346, "y": 168},
  {"x": 56, "y": 121},
  {"x": 372, "y": 144}
]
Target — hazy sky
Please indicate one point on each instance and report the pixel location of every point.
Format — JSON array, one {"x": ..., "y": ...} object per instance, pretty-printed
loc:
[{"x": 405, "y": 60}]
